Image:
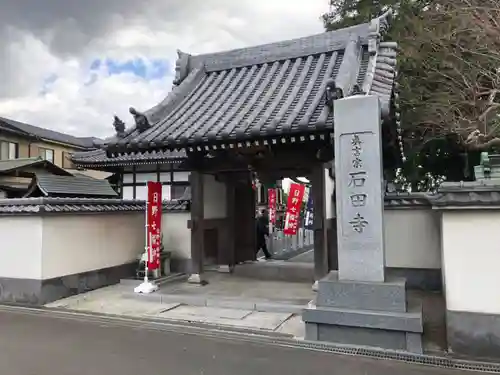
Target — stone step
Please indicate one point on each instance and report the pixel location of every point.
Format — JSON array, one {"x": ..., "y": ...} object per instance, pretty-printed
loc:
[
  {"x": 277, "y": 270},
  {"x": 239, "y": 303}
]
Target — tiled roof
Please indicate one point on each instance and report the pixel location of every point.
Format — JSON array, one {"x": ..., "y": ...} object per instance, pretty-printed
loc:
[
  {"x": 79, "y": 205},
  {"x": 100, "y": 158},
  {"x": 485, "y": 193},
  {"x": 267, "y": 91},
  {"x": 403, "y": 200},
  {"x": 52, "y": 185},
  {"x": 47, "y": 134},
  {"x": 10, "y": 165}
]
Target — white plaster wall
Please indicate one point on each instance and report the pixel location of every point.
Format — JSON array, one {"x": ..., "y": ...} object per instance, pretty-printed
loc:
[
  {"x": 471, "y": 259},
  {"x": 214, "y": 197},
  {"x": 21, "y": 247},
  {"x": 176, "y": 234},
  {"x": 80, "y": 243},
  {"x": 329, "y": 189},
  {"x": 412, "y": 238}
]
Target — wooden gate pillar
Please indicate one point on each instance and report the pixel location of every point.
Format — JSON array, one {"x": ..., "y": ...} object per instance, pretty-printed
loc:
[
  {"x": 321, "y": 261},
  {"x": 229, "y": 241},
  {"x": 197, "y": 228},
  {"x": 245, "y": 238}
]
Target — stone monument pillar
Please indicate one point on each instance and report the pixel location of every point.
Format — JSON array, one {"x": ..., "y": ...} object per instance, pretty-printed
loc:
[{"x": 358, "y": 305}]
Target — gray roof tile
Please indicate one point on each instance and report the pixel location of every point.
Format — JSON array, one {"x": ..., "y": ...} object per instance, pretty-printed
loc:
[
  {"x": 404, "y": 200},
  {"x": 100, "y": 158},
  {"x": 10, "y": 165},
  {"x": 80, "y": 205},
  {"x": 485, "y": 193},
  {"x": 264, "y": 91},
  {"x": 51, "y": 135},
  {"x": 52, "y": 185}
]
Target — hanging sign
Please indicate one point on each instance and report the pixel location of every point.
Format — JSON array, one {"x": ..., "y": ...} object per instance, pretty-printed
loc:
[
  {"x": 271, "y": 200},
  {"x": 293, "y": 207},
  {"x": 154, "y": 206},
  {"x": 309, "y": 214}
]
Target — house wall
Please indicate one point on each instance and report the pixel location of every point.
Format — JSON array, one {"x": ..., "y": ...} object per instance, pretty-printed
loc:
[
  {"x": 60, "y": 152},
  {"x": 22, "y": 142},
  {"x": 329, "y": 190},
  {"x": 68, "y": 253},
  {"x": 412, "y": 238},
  {"x": 81, "y": 243},
  {"x": 413, "y": 246},
  {"x": 20, "y": 248},
  {"x": 27, "y": 148},
  {"x": 471, "y": 258},
  {"x": 177, "y": 238}
]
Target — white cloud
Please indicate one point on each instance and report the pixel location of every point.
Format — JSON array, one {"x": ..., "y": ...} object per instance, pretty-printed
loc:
[{"x": 72, "y": 105}]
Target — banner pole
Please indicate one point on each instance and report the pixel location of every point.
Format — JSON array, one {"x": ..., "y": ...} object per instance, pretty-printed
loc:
[
  {"x": 146, "y": 247},
  {"x": 146, "y": 286}
]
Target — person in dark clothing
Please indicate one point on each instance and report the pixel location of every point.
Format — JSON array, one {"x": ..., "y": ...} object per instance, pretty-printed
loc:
[{"x": 262, "y": 233}]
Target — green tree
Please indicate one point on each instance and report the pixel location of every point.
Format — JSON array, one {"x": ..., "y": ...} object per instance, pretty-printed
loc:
[{"x": 449, "y": 81}]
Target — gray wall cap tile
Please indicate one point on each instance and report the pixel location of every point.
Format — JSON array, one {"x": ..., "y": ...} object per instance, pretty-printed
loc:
[{"x": 81, "y": 205}]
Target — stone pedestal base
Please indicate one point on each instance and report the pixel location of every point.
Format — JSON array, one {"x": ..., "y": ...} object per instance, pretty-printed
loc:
[{"x": 364, "y": 313}]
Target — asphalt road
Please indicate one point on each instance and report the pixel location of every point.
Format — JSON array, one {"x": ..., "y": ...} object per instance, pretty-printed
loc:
[{"x": 33, "y": 343}]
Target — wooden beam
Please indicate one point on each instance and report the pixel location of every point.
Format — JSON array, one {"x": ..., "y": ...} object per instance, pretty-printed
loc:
[
  {"x": 230, "y": 230},
  {"x": 197, "y": 226}
]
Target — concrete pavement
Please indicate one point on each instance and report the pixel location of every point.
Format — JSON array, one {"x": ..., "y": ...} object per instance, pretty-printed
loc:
[
  {"x": 47, "y": 343},
  {"x": 228, "y": 301}
]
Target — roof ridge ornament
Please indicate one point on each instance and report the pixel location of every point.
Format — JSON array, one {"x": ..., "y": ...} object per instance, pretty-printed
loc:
[
  {"x": 182, "y": 67},
  {"x": 141, "y": 121},
  {"x": 378, "y": 27},
  {"x": 332, "y": 93},
  {"x": 119, "y": 126}
]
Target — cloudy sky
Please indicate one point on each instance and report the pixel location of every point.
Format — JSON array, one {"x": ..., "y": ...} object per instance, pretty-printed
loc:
[{"x": 69, "y": 65}]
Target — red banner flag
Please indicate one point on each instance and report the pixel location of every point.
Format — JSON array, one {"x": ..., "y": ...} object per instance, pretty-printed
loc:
[
  {"x": 154, "y": 224},
  {"x": 271, "y": 201},
  {"x": 293, "y": 207}
]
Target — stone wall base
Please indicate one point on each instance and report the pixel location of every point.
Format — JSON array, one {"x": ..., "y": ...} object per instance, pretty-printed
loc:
[
  {"x": 39, "y": 292},
  {"x": 364, "y": 313},
  {"x": 473, "y": 334}
]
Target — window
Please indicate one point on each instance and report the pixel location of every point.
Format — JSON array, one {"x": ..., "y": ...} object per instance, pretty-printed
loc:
[
  {"x": 9, "y": 150},
  {"x": 47, "y": 154},
  {"x": 135, "y": 184}
]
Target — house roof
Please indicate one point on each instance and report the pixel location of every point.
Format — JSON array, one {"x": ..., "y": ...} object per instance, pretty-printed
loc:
[
  {"x": 267, "y": 91},
  {"x": 52, "y": 185},
  {"x": 99, "y": 158},
  {"x": 46, "y": 134},
  {"x": 7, "y": 166}
]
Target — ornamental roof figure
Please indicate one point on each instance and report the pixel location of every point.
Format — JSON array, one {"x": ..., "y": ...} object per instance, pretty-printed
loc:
[{"x": 266, "y": 92}]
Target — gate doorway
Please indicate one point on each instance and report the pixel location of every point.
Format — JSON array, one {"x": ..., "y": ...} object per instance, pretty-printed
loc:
[{"x": 224, "y": 211}]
